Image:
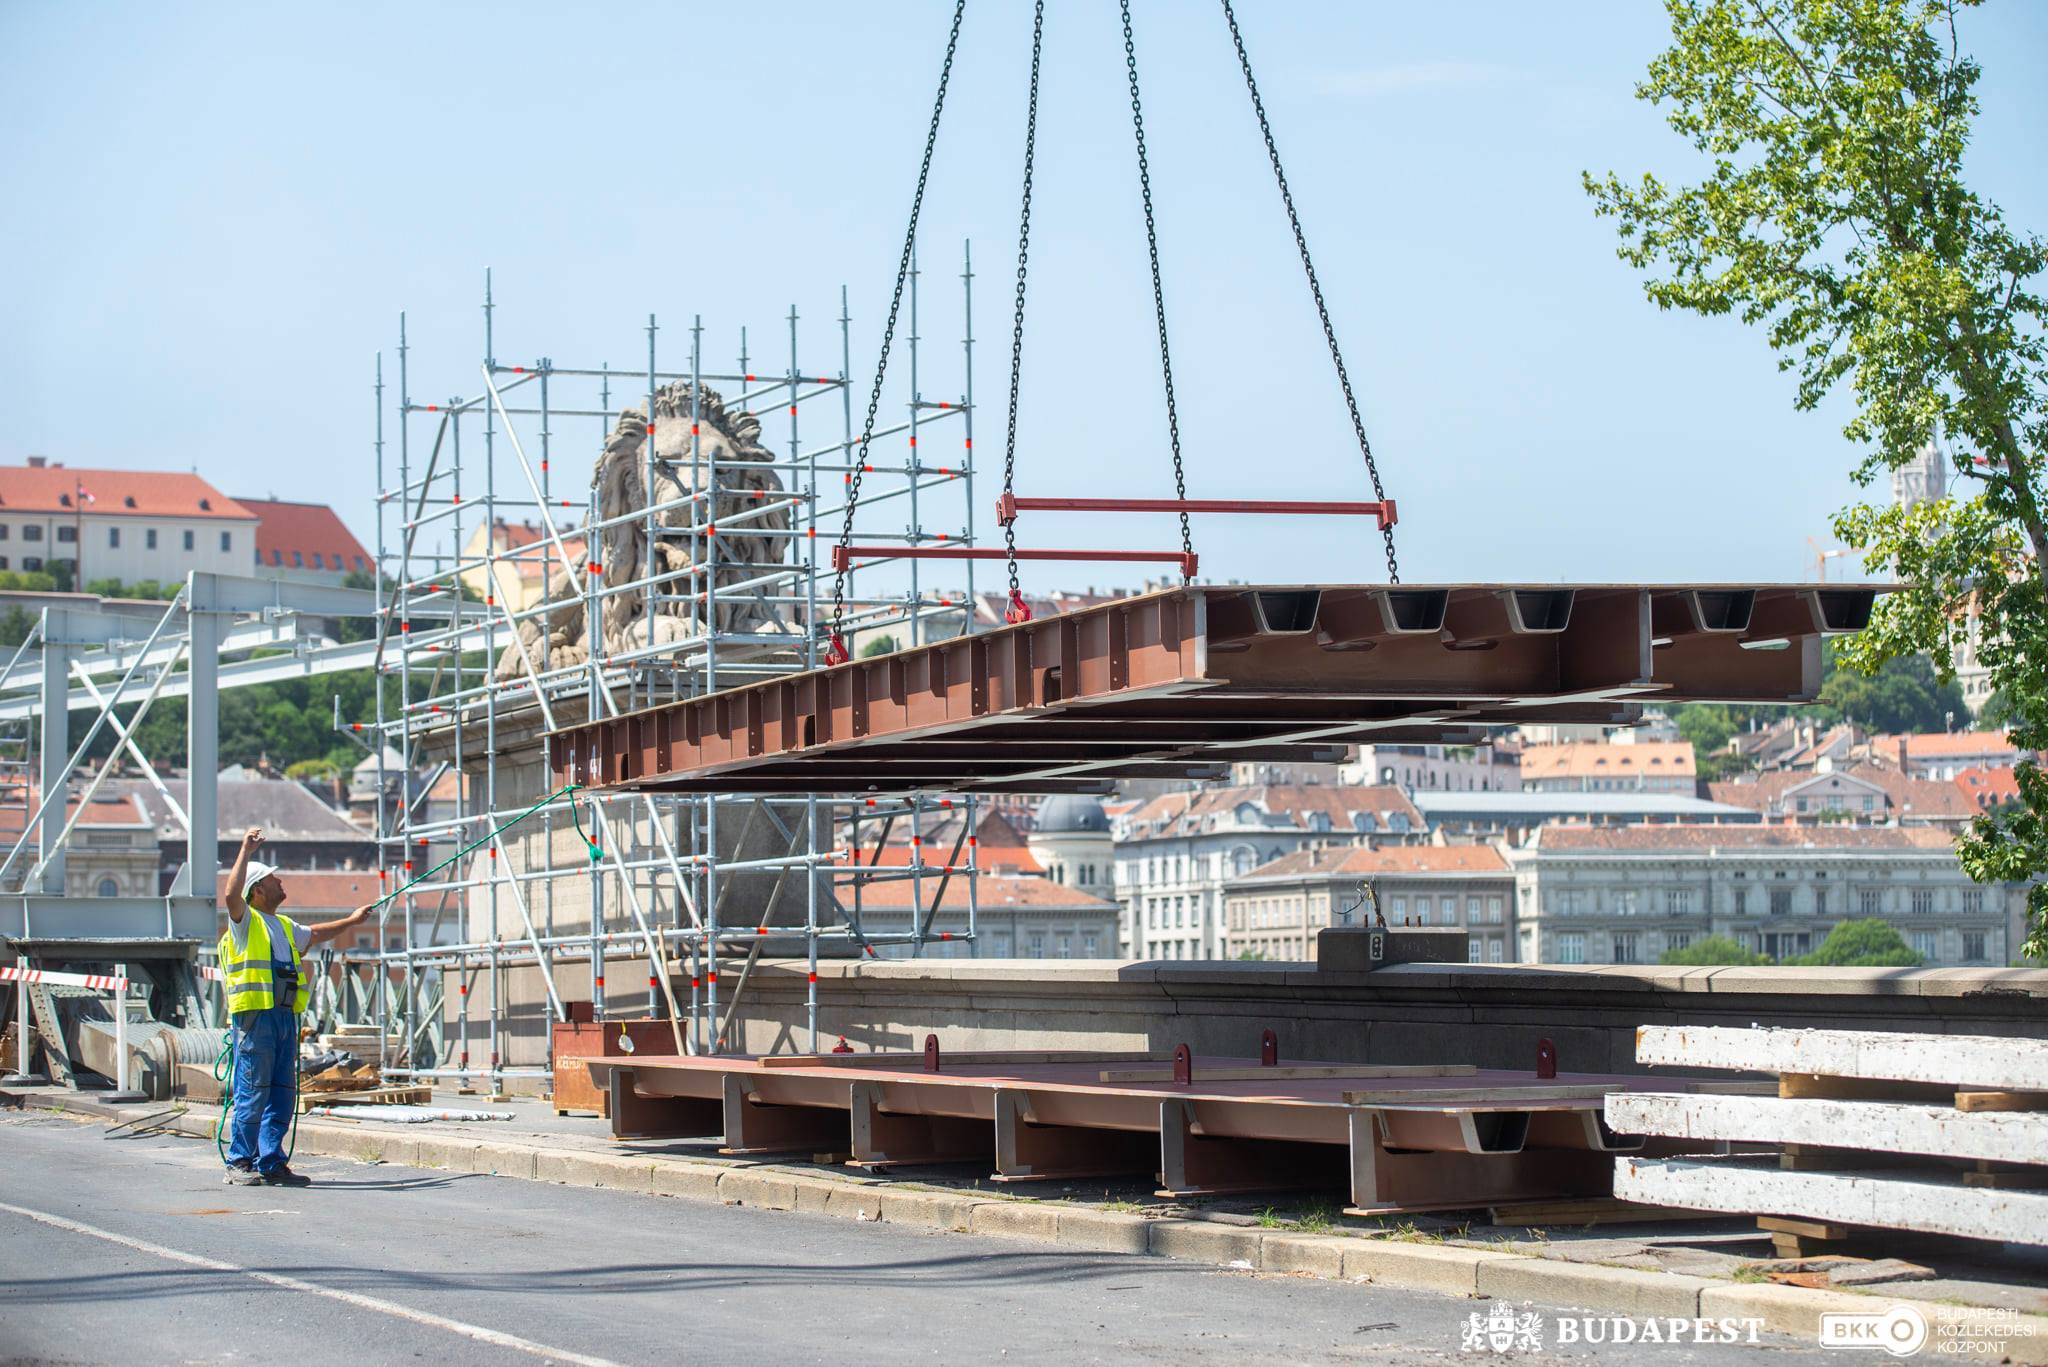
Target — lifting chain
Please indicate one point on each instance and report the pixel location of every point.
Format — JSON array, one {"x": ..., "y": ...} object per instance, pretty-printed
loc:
[
  {"x": 836, "y": 652},
  {"x": 1018, "y": 610},
  {"x": 1180, "y": 480},
  {"x": 1315, "y": 287}
]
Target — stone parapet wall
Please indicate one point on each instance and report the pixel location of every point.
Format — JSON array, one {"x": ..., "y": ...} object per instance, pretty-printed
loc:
[{"x": 1487, "y": 1015}]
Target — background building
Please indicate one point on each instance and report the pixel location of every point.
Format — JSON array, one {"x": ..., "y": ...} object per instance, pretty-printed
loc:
[
  {"x": 130, "y": 525},
  {"x": 1515, "y": 816},
  {"x": 1438, "y": 768},
  {"x": 1626, "y": 895},
  {"x": 1275, "y": 912},
  {"x": 1071, "y": 840},
  {"x": 305, "y": 543},
  {"x": 1175, "y": 852},
  {"x": 1646, "y": 766}
]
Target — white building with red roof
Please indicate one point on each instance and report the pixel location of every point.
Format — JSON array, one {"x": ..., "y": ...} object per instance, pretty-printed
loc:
[
  {"x": 303, "y": 543},
  {"x": 129, "y": 525}
]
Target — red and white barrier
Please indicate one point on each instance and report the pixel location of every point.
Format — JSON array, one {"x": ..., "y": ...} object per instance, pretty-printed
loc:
[
  {"x": 98, "y": 981},
  {"x": 116, "y": 983}
]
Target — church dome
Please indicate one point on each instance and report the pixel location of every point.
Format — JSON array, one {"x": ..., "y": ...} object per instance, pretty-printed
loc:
[{"x": 1069, "y": 814}]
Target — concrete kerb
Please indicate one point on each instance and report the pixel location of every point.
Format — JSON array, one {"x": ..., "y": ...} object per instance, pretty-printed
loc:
[
  {"x": 1625, "y": 1290},
  {"x": 1443, "y": 1268}
]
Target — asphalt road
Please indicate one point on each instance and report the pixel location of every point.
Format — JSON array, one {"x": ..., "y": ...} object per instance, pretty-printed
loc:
[{"x": 131, "y": 1250}]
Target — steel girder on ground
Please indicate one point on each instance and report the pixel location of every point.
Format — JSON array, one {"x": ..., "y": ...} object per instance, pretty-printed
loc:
[
  {"x": 1397, "y": 1139},
  {"x": 1177, "y": 683}
]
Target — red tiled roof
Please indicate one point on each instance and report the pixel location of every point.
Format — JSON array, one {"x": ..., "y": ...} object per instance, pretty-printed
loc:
[
  {"x": 1601, "y": 759},
  {"x": 104, "y": 811},
  {"x": 1944, "y": 744},
  {"x": 1986, "y": 788},
  {"x": 114, "y": 493},
  {"x": 309, "y": 530},
  {"x": 1388, "y": 859}
]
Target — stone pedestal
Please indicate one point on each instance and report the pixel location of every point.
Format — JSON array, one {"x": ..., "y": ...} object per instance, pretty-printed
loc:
[{"x": 1359, "y": 949}]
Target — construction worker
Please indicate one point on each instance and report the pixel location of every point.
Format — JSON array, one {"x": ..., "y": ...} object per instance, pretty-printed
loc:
[{"x": 259, "y": 956}]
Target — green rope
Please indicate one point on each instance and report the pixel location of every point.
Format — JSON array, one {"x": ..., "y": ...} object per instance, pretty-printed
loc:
[
  {"x": 224, "y": 1066},
  {"x": 493, "y": 834}
]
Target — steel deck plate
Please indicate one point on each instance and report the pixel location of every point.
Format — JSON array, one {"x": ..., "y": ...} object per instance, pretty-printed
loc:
[{"x": 1182, "y": 682}]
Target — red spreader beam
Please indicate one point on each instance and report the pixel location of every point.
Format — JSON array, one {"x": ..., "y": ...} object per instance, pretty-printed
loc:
[
  {"x": 844, "y": 556},
  {"x": 1009, "y": 505}
]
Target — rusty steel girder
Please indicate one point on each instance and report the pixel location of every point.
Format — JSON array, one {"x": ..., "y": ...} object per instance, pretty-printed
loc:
[{"x": 1181, "y": 682}]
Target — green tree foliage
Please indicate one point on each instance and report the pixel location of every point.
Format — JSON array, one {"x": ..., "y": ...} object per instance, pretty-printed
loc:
[
  {"x": 1861, "y": 944},
  {"x": 15, "y": 625},
  {"x": 141, "y": 588},
  {"x": 881, "y": 645},
  {"x": 1833, "y": 213},
  {"x": 28, "y": 581},
  {"x": 1903, "y": 696},
  {"x": 1715, "y": 949}
]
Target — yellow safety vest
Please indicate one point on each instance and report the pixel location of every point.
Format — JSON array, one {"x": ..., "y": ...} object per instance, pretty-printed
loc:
[{"x": 247, "y": 970}]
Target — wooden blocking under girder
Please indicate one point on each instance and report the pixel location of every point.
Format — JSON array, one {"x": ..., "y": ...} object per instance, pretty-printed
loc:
[
  {"x": 660, "y": 1117},
  {"x": 885, "y": 1139},
  {"x": 1027, "y": 1151},
  {"x": 751, "y": 1126},
  {"x": 1195, "y": 1164},
  {"x": 1384, "y": 1179}
]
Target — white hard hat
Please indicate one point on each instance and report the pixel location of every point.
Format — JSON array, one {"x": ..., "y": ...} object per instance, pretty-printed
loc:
[{"x": 258, "y": 871}]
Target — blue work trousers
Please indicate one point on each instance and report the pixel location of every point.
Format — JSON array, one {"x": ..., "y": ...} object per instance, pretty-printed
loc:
[{"x": 265, "y": 1080}]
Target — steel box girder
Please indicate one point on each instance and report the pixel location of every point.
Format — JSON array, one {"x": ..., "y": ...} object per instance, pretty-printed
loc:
[{"x": 1170, "y": 683}]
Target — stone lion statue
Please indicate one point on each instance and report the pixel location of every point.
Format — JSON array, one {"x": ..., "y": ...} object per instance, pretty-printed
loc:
[{"x": 740, "y": 554}]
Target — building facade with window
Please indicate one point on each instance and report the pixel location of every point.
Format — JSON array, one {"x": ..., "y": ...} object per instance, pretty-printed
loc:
[
  {"x": 1438, "y": 768},
  {"x": 1174, "y": 853},
  {"x": 1629, "y": 894},
  {"x": 130, "y": 525},
  {"x": 1276, "y": 911}
]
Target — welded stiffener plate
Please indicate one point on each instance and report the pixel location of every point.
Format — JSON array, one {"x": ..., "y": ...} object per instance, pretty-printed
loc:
[{"x": 1183, "y": 682}]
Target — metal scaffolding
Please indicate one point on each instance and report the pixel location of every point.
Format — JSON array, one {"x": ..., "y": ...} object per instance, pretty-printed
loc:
[{"x": 643, "y": 876}]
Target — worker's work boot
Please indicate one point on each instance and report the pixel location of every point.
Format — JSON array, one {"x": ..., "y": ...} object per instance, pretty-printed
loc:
[
  {"x": 282, "y": 1176},
  {"x": 242, "y": 1175}
]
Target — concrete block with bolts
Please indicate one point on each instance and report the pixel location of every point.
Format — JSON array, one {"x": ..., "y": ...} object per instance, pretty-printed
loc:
[
  {"x": 1419, "y": 1267},
  {"x": 1626, "y": 1289},
  {"x": 1104, "y": 1231},
  {"x": 1020, "y": 1219},
  {"x": 1203, "y": 1242}
]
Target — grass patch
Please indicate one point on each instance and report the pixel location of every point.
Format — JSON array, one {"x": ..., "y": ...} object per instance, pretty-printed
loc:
[{"x": 1749, "y": 1272}]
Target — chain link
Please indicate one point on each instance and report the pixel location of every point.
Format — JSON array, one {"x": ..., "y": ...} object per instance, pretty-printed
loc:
[
  {"x": 867, "y": 431},
  {"x": 1017, "y": 328},
  {"x": 1180, "y": 479},
  {"x": 1308, "y": 266}
]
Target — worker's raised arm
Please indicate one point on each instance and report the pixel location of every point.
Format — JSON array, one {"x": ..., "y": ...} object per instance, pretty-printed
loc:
[
  {"x": 236, "y": 906},
  {"x": 328, "y": 930}
]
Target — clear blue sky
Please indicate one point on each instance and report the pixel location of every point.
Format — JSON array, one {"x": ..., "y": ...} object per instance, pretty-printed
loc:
[{"x": 215, "y": 214}]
